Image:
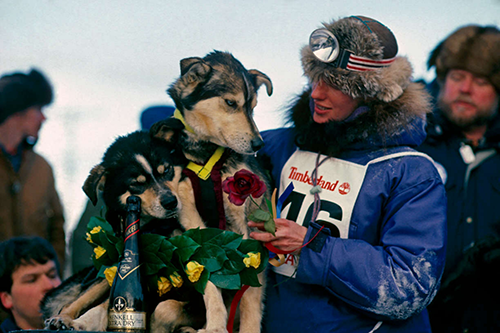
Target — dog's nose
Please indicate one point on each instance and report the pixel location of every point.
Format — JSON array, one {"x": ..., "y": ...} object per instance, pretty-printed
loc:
[
  {"x": 169, "y": 202},
  {"x": 257, "y": 144}
]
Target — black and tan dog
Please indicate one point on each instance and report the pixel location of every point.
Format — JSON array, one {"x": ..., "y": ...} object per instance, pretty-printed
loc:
[
  {"x": 215, "y": 97},
  {"x": 151, "y": 169}
]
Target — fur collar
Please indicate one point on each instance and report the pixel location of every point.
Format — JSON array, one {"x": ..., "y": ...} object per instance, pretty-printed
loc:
[{"x": 399, "y": 122}]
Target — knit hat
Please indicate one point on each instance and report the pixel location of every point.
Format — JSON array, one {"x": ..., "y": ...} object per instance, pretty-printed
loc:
[
  {"x": 367, "y": 65},
  {"x": 473, "y": 48},
  {"x": 19, "y": 91}
]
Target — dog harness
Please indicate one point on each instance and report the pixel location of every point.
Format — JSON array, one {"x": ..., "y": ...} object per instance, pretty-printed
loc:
[{"x": 208, "y": 195}]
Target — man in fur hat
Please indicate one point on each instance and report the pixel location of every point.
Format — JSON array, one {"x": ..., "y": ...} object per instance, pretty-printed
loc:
[
  {"x": 364, "y": 225},
  {"x": 29, "y": 203},
  {"x": 464, "y": 139}
]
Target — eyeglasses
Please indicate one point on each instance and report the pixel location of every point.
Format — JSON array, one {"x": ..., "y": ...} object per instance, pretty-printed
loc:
[{"x": 326, "y": 48}]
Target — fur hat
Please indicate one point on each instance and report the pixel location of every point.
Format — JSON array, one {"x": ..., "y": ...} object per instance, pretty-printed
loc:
[
  {"x": 19, "y": 91},
  {"x": 367, "y": 38},
  {"x": 473, "y": 48}
]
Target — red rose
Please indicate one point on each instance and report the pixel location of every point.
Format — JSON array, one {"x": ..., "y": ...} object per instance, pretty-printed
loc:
[{"x": 243, "y": 184}]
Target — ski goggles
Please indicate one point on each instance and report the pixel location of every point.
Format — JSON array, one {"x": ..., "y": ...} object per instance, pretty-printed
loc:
[{"x": 326, "y": 48}]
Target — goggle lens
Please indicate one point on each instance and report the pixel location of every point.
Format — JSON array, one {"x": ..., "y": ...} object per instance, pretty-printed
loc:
[{"x": 324, "y": 45}]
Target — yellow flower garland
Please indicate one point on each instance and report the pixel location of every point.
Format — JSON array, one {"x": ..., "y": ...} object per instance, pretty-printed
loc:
[
  {"x": 99, "y": 252},
  {"x": 176, "y": 280},
  {"x": 110, "y": 273},
  {"x": 164, "y": 286},
  {"x": 194, "y": 270},
  {"x": 96, "y": 230},
  {"x": 253, "y": 259}
]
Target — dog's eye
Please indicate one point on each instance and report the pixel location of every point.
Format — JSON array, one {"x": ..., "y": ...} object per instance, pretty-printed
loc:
[
  {"x": 168, "y": 171},
  {"x": 230, "y": 103}
]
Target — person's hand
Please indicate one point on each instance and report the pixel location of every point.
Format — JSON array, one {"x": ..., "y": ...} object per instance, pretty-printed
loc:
[{"x": 289, "y": 235}]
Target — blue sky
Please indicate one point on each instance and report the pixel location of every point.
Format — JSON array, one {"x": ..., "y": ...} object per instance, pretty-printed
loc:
[{"x": 110, "y": 59}]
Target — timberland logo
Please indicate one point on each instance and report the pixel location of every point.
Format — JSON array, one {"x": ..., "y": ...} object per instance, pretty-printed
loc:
[
  {"x": 344, "y": 188},
  {"x": 305, "y": 178}
]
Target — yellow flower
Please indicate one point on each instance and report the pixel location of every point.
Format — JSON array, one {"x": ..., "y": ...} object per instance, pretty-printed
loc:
[
  {"x": 176, "y": 280},
  {"x": 99, "y": 251},
  {"x": 252, "y": 259},
  {"x": 110, "y": 273},
  {"x": 89, "y": 238},
  {"x": 164, "y": 286},
  {"x": 194, "y": 270},
  {"x": 96, "y": 230}
]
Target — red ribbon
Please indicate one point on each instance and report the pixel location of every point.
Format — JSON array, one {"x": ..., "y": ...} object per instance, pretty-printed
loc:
[{"x": 234, "y": 305}]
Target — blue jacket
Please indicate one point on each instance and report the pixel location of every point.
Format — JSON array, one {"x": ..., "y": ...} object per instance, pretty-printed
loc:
[{"x": 388, "y": 269}]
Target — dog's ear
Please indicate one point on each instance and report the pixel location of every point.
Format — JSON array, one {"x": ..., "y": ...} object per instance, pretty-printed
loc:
[
  {"x": 94, "y": 182},
  {"x": 166, "y": 129},
  {"x": 194, "y": 71},
  {"x": 196, "y": 66},
  {"x": 260, "y": 79}
]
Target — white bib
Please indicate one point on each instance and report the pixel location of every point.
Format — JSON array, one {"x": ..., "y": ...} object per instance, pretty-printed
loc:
[{"x": 340, "y": 183}]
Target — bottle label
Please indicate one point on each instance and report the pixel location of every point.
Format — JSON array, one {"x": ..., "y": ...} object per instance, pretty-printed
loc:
[
  {"x": 122, "y": 318},
  {"x": 127, "y": 321},
  {"x": 128, "y": 264}
]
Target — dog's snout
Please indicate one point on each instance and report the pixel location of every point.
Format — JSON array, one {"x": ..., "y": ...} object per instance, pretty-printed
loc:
[
  {"x": 257, "y": 144},
  {"x": 169, "y": 202}
]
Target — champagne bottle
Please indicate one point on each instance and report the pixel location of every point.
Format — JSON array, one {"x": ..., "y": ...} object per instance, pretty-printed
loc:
[{"x": 127, "y": 305}]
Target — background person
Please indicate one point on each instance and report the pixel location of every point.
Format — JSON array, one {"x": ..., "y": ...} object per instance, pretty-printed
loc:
[
  {"x": 29, "y": 201},
  {"x": 28, "y": 270},
  {"x": 377, "y": 263},
  {"x": 464, "y": 138}
]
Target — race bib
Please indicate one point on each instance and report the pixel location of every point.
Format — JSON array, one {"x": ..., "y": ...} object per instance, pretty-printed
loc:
[{"x": 340, "y": 182}]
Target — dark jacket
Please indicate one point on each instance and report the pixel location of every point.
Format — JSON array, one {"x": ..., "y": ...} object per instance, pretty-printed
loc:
[
  {"x": 384, "y": 273},
  {"x": 8, "y": 325},
  {"x": 473, "y": 192}
]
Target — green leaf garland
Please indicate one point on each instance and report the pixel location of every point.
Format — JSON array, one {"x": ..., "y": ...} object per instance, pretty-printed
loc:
[{"x": 220, "y": 252}]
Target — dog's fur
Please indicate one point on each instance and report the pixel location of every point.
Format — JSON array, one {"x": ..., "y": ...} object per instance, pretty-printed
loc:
[
  {"x": 151, "y": 169},
  {"x": 216, "y": 96}
]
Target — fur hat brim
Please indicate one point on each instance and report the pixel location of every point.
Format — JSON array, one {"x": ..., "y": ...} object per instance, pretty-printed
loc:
[{"x": 472, "y": 48}]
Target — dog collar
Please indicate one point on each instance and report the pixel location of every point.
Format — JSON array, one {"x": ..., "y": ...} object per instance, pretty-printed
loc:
[
  {"x": 178, "y": 115},
  {"x": 203, "y": 171}
]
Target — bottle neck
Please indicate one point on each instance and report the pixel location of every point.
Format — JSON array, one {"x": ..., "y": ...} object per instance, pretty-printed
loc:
[
  {"x": 131, "y": 243},
  {"x": 132, "y": 228}
]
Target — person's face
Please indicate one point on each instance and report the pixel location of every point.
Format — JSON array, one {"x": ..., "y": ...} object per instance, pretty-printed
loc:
[
  {"x": 32, "y": 120},
  {"x": 30, "y": 283},
  {"x": 330, "y": 103},
  {"x": 468, "y": 100}
]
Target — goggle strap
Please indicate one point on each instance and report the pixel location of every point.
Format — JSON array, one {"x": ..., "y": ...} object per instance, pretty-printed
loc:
[
  {"x": 343, "y": 58},
  {"x": 362, "y": 64}
]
